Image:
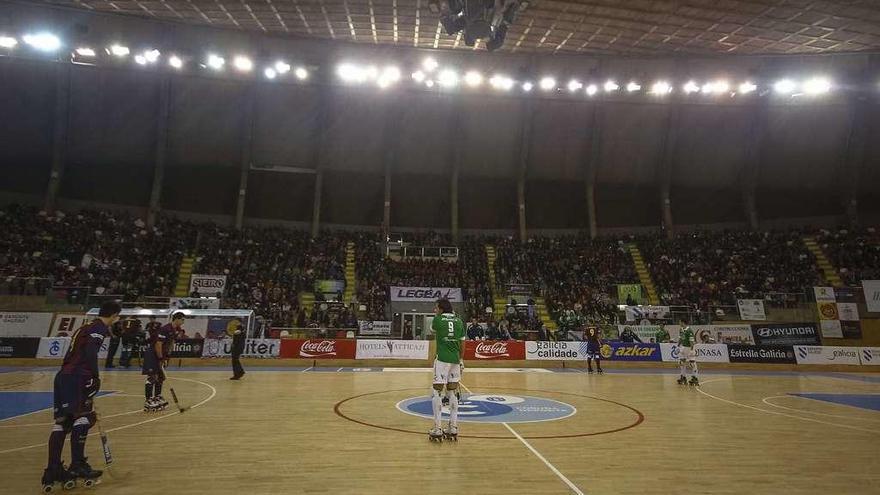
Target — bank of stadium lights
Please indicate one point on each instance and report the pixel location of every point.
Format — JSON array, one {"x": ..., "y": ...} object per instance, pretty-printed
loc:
[
  {"x": 527, "y": 86},
  {"x": 270, "y": 73},
  {"x": 388, "y": 77},
  {"x": 611, "y": 86},
  {"x": 147, "y": 57},
  {"x": 547, "y": 84},
  {"x": 175, "y": 62},
  {"x": 447, "y": 78},
  {"x": 747, "y": 87},
  {"x": 503, "y": 83},
  {"x": 44, "y": 42},
  {"x": 633, "y": 86},
  {"x": 429, "y": 83},
  {"x": 216, "y": 62},
  {"x": 574, "y": 85},
  {"x": 592, "y": 89},
  {"x": 8, "y": 42},
  {"x": 691, "y": 87},
  {"x": 817, "y": 86},
  {"x": 785, "y": 86},
  {"x": 473, "y": 79},
  {"x": 661, "y": 88},
  {"x": 118, "y": 50},
  {"x": 85, "y": 52},
  {"x": 719, "y": 87},
  {"x": 301, "y": 73},
  {"x": 242, "y": 63},
  {"x": 429, "y": 64},
  {"x": 418, "y": 76}
]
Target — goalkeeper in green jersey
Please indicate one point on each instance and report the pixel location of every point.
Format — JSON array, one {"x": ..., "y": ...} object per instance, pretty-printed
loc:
[
  {"x": 450, "y": 334},
  {"x": 687, "y": 357}
]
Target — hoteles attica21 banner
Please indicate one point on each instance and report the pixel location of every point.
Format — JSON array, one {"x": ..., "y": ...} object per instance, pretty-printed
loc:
[
  {"x": 391, "y": 349},
  {"x": 425, "y": 294},
  {"x": 23, "y": 324}
]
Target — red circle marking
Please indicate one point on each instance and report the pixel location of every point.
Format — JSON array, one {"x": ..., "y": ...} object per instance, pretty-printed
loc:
[{"x": 640, "y": 417}]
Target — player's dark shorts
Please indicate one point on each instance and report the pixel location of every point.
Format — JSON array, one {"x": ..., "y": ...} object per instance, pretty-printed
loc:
[
  {"x": 593, "y": 352},
  {"x": 73, "y": 395},
  {"x": 151, "y": 365}
]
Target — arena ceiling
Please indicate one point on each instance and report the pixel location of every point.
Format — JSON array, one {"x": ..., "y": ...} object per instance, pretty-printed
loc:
[{"x": 605, "y": 27}]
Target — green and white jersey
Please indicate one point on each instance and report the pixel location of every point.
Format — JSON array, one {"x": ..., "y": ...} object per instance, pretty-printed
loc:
[
  {"x": 449, "y": 333},
  {"x": 686, "y": 338},
  {"x": 662, "y": 336}
]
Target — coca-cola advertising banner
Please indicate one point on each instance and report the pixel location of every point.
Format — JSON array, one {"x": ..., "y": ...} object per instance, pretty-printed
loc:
[
  {"x": 496, "y": 350},
  {"x": 318, "y": 349}
]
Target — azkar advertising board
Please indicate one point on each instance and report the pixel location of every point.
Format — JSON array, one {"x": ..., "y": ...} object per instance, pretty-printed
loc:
[
  {"x": 624, "y": 351},
  {"x": 497, "y": 350},
  {"x": 318, "y": 349}
]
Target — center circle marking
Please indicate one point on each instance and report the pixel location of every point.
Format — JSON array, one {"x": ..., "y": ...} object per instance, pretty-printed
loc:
[{"x": 493, "y": 408}]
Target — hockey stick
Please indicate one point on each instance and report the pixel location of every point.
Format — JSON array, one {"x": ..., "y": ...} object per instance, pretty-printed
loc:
[
  {"x": 105, "y": 444},
  {"x": 176, "y": 402}
]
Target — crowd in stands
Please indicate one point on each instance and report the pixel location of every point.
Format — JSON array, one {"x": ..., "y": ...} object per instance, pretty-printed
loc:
[
  {"x": 575, "y": 273},
  {"x": 854, "y": 252},
  {"x": 268, "y": 268},
  {"x": 110, "y": 252},
  {"x": 709, "y": 269}
]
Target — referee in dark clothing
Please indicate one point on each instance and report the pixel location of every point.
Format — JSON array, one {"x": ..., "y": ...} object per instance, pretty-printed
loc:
[
  {"x": 115, "y": 336},
  {"x": 238, "y": 337}
]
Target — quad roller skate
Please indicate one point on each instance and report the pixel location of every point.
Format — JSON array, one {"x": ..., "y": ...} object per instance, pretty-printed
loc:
[
  {"x": 57, "y": 475},
  {"x": 151, "y": 405},
  {"x": 590, "y": 371},
  {"x": 600, "y": 371},
  {"x": 81, "y": 471},
  {"x": 451, "y": 434},
  {"x": 435, "y": 435},
  {"x": 682, "y": 380},
  {"x": 161, "y": 402},
  {"x": 694, "y": 381}
]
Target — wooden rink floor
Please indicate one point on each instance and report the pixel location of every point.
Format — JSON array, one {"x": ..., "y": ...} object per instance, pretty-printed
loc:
[{"x": 342, "y": 431}]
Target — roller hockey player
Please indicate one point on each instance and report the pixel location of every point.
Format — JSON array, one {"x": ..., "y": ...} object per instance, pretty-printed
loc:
[
  {"x": 687, "y": 357},
  {"x": 450, "y": 334}
]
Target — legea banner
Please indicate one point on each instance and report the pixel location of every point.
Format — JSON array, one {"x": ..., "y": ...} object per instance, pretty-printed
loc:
[{"x": 425, "y": 294}]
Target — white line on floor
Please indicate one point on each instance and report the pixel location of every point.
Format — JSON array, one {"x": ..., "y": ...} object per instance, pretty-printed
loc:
[
  {"x": 123, "y": 427},
  {"x": 767, "y": 411},
  {"x": 547, "y": 463}
]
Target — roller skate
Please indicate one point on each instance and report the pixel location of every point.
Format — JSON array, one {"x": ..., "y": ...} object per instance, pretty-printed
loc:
[
  {"x": 694, "y": 381},
  {"x": 82, "y": 471},
  {"x": 600, "y": 371},
  {"x": 151, "y": 405},
  {"x": 57, "y": 474},
  {"x": 435, "y": 435},
  {"x": 161, "y": 403},
  {"x": 451, "y": 433},
  {"x": 682, "y": 380},
  {"x": 590, "y": 371}
]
